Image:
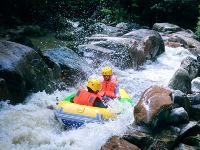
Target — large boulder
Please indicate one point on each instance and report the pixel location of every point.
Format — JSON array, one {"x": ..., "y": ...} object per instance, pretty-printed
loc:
[
  {"x": 22, "y": 70},
  {"x": 180, "y": 81},
  {"x": 74, "y": 68},
  {"x": 192, "y": 66},
  {"x": 114, "y": 49},
  {"x": 191, "y": 42},
  {"x": 186, "y": 33},
  {"x": 130, "y": 50},
  {"x": 153, "y": 106},
  {"x": 174, "y": 36},
  {"x": 188, "y": 70},
  {"x": 166, "y": 27},
  {"x": 148, "y": 46}
]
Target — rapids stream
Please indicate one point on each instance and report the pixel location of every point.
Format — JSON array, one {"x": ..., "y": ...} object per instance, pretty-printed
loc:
[{"x": 32, "y": 126}]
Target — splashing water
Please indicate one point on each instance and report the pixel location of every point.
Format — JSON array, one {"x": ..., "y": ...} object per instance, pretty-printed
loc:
[{"x": 32, "y": 126}]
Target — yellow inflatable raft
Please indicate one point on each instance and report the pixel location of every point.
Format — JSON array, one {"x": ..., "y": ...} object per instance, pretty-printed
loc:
[{"x": 75, "y": 115}]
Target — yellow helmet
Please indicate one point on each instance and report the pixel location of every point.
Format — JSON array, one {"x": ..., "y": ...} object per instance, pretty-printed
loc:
[
  {"x": 106, "y": 71},
  {"x": 94, "y": 84}
]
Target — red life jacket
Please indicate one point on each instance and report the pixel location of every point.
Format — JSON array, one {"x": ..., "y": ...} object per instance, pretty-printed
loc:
[
  {"x": 84, "y": 97},
  {"x": 108, "y": 88}
]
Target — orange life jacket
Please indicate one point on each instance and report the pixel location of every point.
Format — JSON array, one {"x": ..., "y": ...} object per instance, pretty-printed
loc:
[
  {"x": 108, "y": 88},
  {"x": 84, "y": 97}
]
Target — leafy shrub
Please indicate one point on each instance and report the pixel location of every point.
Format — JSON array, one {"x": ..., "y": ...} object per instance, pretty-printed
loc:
[{"x": 198, "y": 28}]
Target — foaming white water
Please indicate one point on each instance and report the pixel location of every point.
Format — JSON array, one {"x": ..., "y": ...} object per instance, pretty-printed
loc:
[
  {"x": 154, "y": 73},
  {"x": 32, "y": 126}
]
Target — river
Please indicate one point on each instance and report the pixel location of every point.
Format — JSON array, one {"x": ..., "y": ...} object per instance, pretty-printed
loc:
[{"x": 32, "y": 126}]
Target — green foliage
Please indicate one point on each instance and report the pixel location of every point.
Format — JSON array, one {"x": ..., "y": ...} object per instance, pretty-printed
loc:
[
  {"x": 53, "y": 14},
  {"x": 198, "y": 25},
  {"x": 115, "y": 11}
]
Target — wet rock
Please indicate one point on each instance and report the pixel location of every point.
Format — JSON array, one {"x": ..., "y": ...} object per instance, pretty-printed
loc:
[
  {"x": 187, "y": 33},
  {"x": 118, "y": 143},
  {"x": 130, "y": 50},
  {"x": 145, "y": 139},
  {"x": 189, "y": 129},
  {"x": 139, "y": 135},
  {"x": 150, "y": 43},
  {"x": 4, "y": 92},
  {"x": 153, "y": 106},
  {"x": 164, "y": 138},
  {"x": 166, "y": 27},
  {"x": 173, "y": 41},
  {"x": 192, "y": 66},
  {"x": 113, "y": 49},
  {"x": 181, "y": 99},
  {"x": 194, "y": 98},
  {"x": 193, "y": 140},
  {"x": 74, "y": 68},
  {"x": 178, "y": 115},
  {"x": 173, "y": 44},
  {"x": 196, "y": 84},
  {"x": 190, "y": 102},
  {"x": 195, "y": 112},
  {"x": 192, "y": 44},
  {"x": 180, "y": 81},
  {"x": 182, "y": 146},
  {"x": 23, "y": 70},
  {"x": 188, "y": 70}
]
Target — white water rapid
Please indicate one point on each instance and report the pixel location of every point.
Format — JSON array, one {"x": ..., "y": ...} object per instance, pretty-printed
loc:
[{"x": 31, "y": 126}]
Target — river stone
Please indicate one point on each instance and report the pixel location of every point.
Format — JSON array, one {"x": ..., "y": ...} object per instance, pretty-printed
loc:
[
  {"x": 189, "y": 129},
  {"x": 196, "y": 85},
  {"x": 178, "y": 115},
  {"x": 191, "y": 65},
  {"x": 130, "y": 50},
  {"x": 194, "y": 98},
  {"x": 139, "y": 135},
  {"x": 161, "y": 138},
  {"x": 148, "y": 46},
  {"x": 166, "y": 27},
  {"x": 193, "y": 140},
  {"x": 180, "y": 81},
  {"x": 114, "y": 49},
  {"x": 182, "y": 146},
  {"x": 23, "y": 70},
  {"x": 153, "y": 106},
  {"x": 192, "y": 44},
  {"x": 74, "y": 67},
  {"x": 4, "y": 91},
  {"x": 118, "y": 143},
  {"x": 195, "y": 112}
]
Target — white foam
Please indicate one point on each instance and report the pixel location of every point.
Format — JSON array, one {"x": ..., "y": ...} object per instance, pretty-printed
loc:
[{"x": 32, "y": 126}]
